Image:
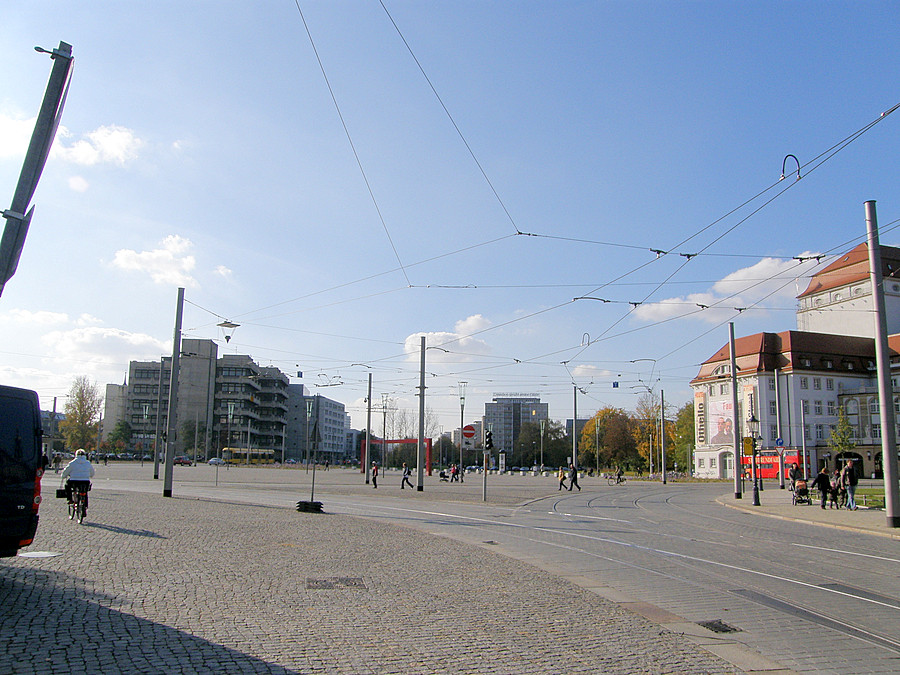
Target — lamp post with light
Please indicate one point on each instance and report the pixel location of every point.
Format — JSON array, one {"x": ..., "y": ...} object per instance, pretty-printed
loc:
[
  {"x": 753, "y": 430},
  {"x": 462, "y": 411}
]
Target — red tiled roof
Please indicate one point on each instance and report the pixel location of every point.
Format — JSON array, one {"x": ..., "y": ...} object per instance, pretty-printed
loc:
[
  {"x": 764, "y": 352},
  {"x": 852, "y": 267}
]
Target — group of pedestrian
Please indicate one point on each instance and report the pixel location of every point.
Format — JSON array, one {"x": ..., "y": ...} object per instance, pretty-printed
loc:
[
  {"x": 571, "y": 474},
  {"x": 837, "y": 488},
  {"x": 456, "y": 474},
  {"x": 407, "y": 472}
]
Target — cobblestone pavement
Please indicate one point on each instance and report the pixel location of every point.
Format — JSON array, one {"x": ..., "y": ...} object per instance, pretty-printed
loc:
[{"x": 155, "y": 585}]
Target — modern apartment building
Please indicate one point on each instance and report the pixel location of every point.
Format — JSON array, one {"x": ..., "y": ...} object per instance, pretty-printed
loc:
[{"x": 505, "y": 415}]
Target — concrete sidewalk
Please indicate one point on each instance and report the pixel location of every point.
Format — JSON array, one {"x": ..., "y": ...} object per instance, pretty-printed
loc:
[{"x": 776, "y": 503}]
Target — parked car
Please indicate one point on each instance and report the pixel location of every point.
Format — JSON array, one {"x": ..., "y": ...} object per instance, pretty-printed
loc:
[
  {"x": 216, "y": 461},
  {"x": 183, "y": 461}
]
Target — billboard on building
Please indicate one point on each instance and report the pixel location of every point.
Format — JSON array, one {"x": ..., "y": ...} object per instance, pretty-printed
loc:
[{"x": 721, "y": 422}]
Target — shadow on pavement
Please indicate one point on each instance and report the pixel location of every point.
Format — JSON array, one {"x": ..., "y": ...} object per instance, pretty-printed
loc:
[{"x": 50, "y": 623}]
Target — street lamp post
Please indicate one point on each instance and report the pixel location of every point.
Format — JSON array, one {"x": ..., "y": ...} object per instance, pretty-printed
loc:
[
  {"x": 753, "y": 430},
  {"x": 543, "y": 422},
  {"x": 462, "y": 411}
]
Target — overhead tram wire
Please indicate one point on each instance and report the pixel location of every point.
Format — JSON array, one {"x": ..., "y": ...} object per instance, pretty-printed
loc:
[
  {"x": 452, "y": 121},
  {"x": 350, "y": 141}
]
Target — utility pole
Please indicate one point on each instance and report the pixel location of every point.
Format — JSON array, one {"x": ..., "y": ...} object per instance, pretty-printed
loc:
[
  {"x": 885, "y": 389},
  {"x": 662, "y": 435},
  {"x": 420, "y": 447},
  {"x": 18, "y": 217},
  {"x": 171, "y": 417},
  {"x": 738, "y": 448},
  {"x": 367, "y": 459}
]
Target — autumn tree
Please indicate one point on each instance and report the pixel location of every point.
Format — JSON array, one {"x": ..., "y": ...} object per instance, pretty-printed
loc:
[
  {"x": 607, "y": 440},
  {"x": 82, "y": 412}
]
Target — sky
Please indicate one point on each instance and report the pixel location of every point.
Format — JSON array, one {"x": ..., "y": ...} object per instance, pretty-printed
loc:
[{"x": 340, "y": 178}]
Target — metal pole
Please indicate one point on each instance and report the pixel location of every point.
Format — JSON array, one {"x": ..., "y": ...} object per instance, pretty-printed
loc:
[
  {"x": 662, "y": 436},
  {"x": 384, "y": 433},
  {"x": 420, "y": 447},
  {"x": 885, "y": 389},
  {"x": 462, "y": 412},
  {"x": 171, "y": 416},
  {"x": 778, "y": 433},
  {"x": 542, "y": 444},
  {"x": 575, "y": 428},
  {"x": 367, "y": 459},
  {"x": 803, "y": 440},
  {"x": 738, "y": 462},
  {"x": 162, "y": 367}
]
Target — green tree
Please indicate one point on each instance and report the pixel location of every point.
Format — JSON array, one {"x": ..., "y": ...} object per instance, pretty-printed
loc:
[
  {"x": 122, "y": 432},
  {"x": 684, "y": 440},
  {"x": 842, "y": 437},
  {"x": 82, "y": 414}
]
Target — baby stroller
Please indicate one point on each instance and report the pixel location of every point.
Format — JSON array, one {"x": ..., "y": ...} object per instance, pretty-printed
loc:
[
  {"x": 801, "y": 493},
  {"x": 443, "y": 476}
]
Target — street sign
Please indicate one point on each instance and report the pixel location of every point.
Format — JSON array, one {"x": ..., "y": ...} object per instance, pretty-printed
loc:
[
  {"x": 468, "y": 431},
  {"x": 748, "y": 446},
  {"x": 779, "y": 442}
]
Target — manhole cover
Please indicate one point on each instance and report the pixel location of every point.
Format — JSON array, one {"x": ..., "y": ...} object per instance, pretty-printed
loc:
[
  {"x": 338, "y": 583},
  {"x": 718, "y": 626}
]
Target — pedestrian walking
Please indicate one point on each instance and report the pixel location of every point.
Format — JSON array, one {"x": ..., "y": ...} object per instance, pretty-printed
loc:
[
  {"x": 57, "y": 460},
  {"x": 562, "y": 477},
  {"x": 822, "y": 482},
  {"x": 573, "y": 478},
  {"x": 794, "y": 474},
  {"x": 453, "y": 473},
  {"x": 374, "y": 475},
  {"x": 849, "y": 479},
  {"x": 406, "y": 473}
]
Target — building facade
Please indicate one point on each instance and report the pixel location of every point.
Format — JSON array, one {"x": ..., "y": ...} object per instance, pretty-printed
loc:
[
  {"x": 796, "y": 382},
  {"x": 505, "y": 415}
]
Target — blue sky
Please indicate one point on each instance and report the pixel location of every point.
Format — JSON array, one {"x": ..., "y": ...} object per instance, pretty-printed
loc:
[{"x": 514, "y": 156}]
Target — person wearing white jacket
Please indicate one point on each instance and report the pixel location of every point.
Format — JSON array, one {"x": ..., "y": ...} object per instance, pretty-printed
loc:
[{"x": 79, "y": 470}]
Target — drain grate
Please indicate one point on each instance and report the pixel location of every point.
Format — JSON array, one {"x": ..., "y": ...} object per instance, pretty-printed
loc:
[
  {"x": 336, "y": 583},
  {"x": 718, "y": 626}
]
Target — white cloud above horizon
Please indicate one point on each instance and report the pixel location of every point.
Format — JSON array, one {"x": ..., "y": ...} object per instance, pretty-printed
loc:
[
  {"x": 168, "y": 264},
  {"x": 461, "y": 345},
  {"x": 769, "y": 281}
]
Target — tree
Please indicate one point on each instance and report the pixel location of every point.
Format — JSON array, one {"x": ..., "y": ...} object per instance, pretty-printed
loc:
[
  {"x": 121, "y": 433},
  {"x": 646, "y": 427},
  {"x": 684, "y": 441},
  {"x": 82, "y": 414},
  {"x": 608, "y": 440},
  {"x": 841, "y": 440}
]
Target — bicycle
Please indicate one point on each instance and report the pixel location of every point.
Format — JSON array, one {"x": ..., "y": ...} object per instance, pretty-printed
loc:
[
  {"x": 78, "y": 505},
  {"x": 615, "y": 480}
]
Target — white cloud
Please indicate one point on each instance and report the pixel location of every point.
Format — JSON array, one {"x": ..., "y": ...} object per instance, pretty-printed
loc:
[
  {"x": 168, "y": 264},
  {"x": 770, "y": 281},
  {"x": 106, "y": 144},
  {"x": 460, "y": 343},
  {"x": 25, "y": 317},
  {"x": 97, "y": 348},
  {"x": 222, "y": 271},
  {"x": 15, "y": 133},
  {"x": 78, "y": 184}
]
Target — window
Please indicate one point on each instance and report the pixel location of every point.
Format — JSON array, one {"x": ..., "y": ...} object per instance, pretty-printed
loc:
[
  {"x": 805, "y": 405},
  {"x": 897, "y": 405},
  {"x": 828, "y": 363},
  {"x": 804, "y": 383},
  {"x": 712, "y": 462},
  {"x": 817, "y": 383},
  {"x": 817, "y": 407},
  {"x": 806, "y": 433},
  {"x": 773, "y": 432},
  {"x": 700, "y": 463},
  {"x": 805, "y": 362},
  {"x": 772, "y": 384},
  {"x": 831, "y": 410},
  {"x": 829, "y": 384},
  {"x": 876, "y": 431},
  {"x": 820, "y": 432},
  {"x": 723, "y": 389},
  {"x": 874, "y": 408},
  {"x": 773, "y": 407}
]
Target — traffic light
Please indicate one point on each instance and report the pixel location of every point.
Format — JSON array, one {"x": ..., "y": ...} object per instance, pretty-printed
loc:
[{"x": 489, "y": 440}]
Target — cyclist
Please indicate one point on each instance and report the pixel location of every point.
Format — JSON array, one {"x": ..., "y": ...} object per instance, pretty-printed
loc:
[
  {"x": 79, "y": 472},
  {"x": 619, "y": 474}
]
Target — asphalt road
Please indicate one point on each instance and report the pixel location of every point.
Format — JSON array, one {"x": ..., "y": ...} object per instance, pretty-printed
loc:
[{"x": 791, "y": 595}]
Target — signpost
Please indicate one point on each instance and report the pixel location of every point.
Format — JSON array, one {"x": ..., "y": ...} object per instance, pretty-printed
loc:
[{"x": 468, "y": 433}]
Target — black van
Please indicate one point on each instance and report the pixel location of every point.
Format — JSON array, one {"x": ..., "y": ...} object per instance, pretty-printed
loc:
[{"x": 21, "y": 468}]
